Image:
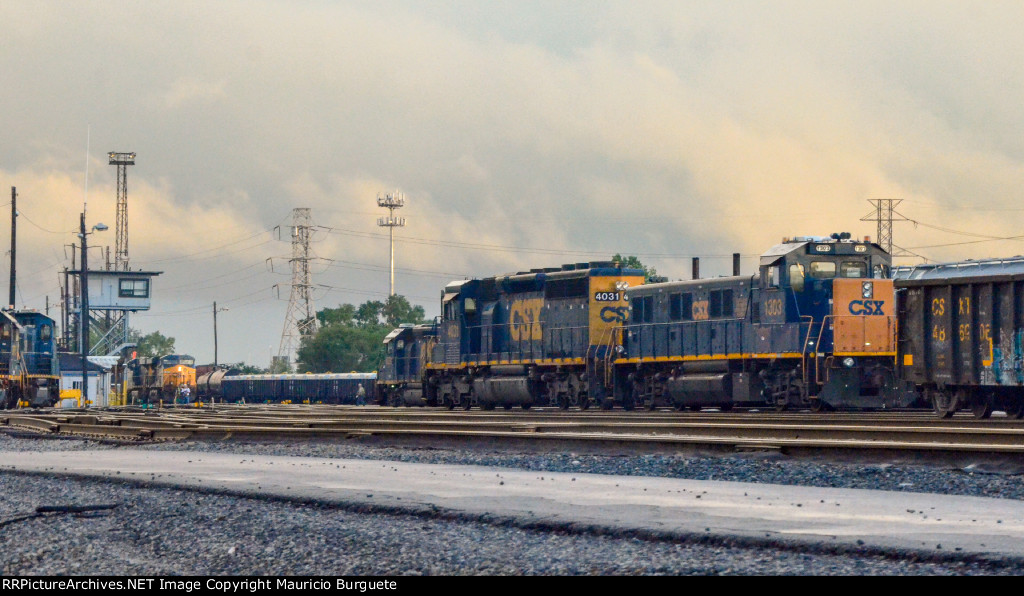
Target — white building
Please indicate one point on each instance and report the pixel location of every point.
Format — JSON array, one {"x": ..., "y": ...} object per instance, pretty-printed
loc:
[{"x": 99, "y": 379}]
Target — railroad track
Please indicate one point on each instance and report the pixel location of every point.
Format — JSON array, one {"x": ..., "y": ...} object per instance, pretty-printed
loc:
[{"x": 667, "y": 429}]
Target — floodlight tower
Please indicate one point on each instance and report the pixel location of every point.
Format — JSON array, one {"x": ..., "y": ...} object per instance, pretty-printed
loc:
[
  {"x": 391, "y": 201},
  {"x": 122, "y": 161}
]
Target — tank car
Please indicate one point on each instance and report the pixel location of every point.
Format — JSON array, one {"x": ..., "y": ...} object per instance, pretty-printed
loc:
[
  {"x": 815, "y": 328},
  {"x": 28, "y": 363},
  {"x": 530, "y": 338},
  {"x": 962, "y": 334},
  {"x": 209, "y": 385},
  {"x": 400, "y": 380}
]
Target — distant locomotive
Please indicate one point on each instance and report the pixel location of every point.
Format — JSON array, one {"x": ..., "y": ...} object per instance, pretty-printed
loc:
[
  {"x": 28, "y": 364},
  {"x": 152, "y": 379},
  {"x": 407, "y": 351}
]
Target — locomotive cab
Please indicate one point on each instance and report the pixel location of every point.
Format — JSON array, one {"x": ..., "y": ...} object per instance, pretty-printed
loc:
[{"x": 838, "y": 291}]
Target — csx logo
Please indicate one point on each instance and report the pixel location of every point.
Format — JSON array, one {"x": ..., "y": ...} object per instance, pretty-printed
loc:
[
  {"x": 866, "y": 307},
  {"x": 614, "y": 314}
]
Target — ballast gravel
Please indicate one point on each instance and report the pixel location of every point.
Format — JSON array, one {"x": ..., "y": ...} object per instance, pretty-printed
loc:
[{"x": 161, "y": 531}]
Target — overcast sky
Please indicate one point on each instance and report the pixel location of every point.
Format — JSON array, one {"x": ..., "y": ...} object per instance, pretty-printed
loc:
[{"x": 522, "y": 133}]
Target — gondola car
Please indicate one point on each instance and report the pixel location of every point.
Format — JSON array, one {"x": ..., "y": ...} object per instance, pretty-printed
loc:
[{"x": 962, "y": 334}]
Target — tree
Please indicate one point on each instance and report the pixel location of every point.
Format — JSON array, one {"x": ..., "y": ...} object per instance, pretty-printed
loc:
[
  {"x": 153, "y": 344},
  {"x": 351, "y": 337},
  {"x": 632, "y": 262}
]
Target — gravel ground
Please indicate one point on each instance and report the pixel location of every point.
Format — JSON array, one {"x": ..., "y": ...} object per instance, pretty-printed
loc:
[{"x": 157, "y": 531}]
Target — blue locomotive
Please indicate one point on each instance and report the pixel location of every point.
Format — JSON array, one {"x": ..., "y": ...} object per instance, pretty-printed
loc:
[
  {"x": 407, "y": 350},
  {"x": 815, "y": 327},
  {"x": 28, "y": 363},
  {"x": 540, "y": 337}
]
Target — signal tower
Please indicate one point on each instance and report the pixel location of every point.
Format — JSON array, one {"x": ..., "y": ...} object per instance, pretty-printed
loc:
[{"x": 391, "y": 202}]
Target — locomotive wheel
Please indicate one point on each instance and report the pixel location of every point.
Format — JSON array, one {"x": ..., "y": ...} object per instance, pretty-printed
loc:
[
  {"x": 563, "y": 401},
  {"x": 507, "y": 407},
  {"x": 466, "y": 402},
  {"x": 819, "y": 405},
  {"x": 525, "y": 406},
  {"x": 1015, "y": 410},
  {"x": 944, "y": 404},
  {"x": 584, "y": 402},
  {"x": 488, "y": 406},
  {"x": 982, "y": 407},
  {"x": 679, "y": 407},
  {"x": 607, "y": 404},
  {"x": 448, "y": 403}
]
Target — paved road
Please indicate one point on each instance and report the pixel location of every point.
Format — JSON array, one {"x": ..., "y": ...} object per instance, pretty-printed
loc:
[{"x": 843, "y": 518}]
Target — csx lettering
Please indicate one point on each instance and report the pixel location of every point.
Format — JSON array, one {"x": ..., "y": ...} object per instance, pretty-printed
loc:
[
  {"x": 614, "y": 314},
  {"x": 700, "y": 310},
  {"x": 866, "y": 307}
]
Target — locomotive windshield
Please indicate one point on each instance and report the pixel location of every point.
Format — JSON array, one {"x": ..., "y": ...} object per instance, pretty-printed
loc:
[{"x": 176, "y": 359}]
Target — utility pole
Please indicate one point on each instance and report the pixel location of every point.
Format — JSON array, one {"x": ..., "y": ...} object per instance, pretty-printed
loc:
[
  {"x": 215, "y": 309},
  {"x": 84, "y": 314},
  {"x": 14, "y": 243},
  {"x": 391, "y": 202}
]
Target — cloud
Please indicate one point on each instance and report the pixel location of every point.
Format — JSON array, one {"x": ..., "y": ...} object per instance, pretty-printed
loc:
[{"x": 524, "y": 135}]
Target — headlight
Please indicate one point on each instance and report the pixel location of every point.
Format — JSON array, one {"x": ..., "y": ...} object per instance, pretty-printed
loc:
[{"x": 849, "y": 362}]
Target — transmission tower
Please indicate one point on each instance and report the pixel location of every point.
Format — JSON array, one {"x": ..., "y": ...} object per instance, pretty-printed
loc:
[
  {"x": 301, "y": 318},
  {"x": 391, "y": 202},
  {"x": 122, "y": 161},
  {"x": 885, "y": 210}
]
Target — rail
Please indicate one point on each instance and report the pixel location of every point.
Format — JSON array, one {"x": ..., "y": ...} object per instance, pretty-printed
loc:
[{"x": 856, "y": 432}]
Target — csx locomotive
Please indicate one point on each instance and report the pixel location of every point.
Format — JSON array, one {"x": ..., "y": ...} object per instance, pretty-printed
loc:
[
  {"x": 28, "y": 364},
  {"x": 814, "y": 327}
]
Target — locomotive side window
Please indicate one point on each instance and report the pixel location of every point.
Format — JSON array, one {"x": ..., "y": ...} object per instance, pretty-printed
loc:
[
  {"x": 686, "y": 305},
  {"x": 796, "y": 277},
  {"x": 853, "y": 269},
  {"x": 721, "y": 304},
  {"x": 823, "y": 269},
  {"x": 880, "y": 272},
  {"x": 675, "y": 311},
  {"x": 44, "y": 333},
  {"x": 774, "y": 274},
  {"x": 648, "y": 308}
]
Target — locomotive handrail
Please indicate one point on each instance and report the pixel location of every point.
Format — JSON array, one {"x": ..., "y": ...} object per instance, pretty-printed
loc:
[{"x": 803, "y": 350}]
